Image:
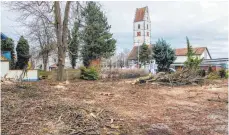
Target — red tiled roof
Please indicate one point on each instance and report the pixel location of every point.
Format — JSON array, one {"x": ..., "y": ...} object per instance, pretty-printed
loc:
[
  {"x": 134, "y": 52},
  {"x": 178, "y": 52},
  {"x": 183, "y": 51},
  {"x": 139, "y": 15},
  {"x": 53, "y": 66}
]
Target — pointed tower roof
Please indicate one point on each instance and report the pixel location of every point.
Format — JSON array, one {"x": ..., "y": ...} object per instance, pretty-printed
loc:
[{"x": 139, "y": 15}]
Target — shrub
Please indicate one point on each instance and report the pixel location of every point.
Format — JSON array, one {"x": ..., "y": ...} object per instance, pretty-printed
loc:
[
  {"x": 210, "y": 70},
  {"x": 222, "y": 73},
  {"x": 202, "y": 72},
  {"x": 213, "y": 75},
  {"x": 89, "y": 73}
]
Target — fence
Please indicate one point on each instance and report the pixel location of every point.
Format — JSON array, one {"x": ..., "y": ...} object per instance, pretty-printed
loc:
[{"x": 69, "y": 74}]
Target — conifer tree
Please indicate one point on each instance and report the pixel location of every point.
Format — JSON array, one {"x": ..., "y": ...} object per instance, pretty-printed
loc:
[
  {"x": 190, "y": 52},
  {"x": 192, "y": 62},
  {"x": 144, "y": 54},
  {"x": 74, "y": 45},
  {"x": 164, "y": 55},
  {"x": 98, "y": 41},
  {"x": 22, "y": 53}
]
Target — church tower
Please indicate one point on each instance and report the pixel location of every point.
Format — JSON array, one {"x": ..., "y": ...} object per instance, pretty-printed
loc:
[{"x": 142, "y": 26}]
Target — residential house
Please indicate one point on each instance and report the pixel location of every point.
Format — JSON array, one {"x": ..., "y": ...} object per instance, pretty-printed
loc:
[{"x": 201, "y": 52}]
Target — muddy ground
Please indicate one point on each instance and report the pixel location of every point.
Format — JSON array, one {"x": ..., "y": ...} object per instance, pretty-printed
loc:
[{"x": 113, "y": 107}]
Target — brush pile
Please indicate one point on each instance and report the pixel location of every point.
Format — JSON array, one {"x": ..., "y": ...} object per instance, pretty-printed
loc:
[{"x": 183, "y": 77}]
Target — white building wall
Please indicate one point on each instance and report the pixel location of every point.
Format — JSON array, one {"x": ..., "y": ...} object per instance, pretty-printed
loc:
[
  {"x": 31, "y": 75},
  {"x": 182, "y": 59},
  {"x": 4, "y": 68},
  {"x": 205, "y": 55},
  {"x": 53, "y": 59}
]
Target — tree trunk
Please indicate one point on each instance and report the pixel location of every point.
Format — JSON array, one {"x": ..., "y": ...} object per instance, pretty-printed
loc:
[
  {"x": 61, "y": 34},
  {"x": 61, "y": 62},
  {"x": 45, "y": 60}
]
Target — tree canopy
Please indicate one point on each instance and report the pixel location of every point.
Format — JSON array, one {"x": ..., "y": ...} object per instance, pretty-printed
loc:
[
  {"x": 98, "y": 41},
  {"x": 74, "y": 44},
  {"x": 164, "y": 55},
  {"x": 192, "y": 61},
  {"x": 144, "y": 54},
  {"x": 22, "y": 53}
]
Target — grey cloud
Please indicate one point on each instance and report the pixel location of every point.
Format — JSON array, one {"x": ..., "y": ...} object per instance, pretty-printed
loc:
[{"x": 205, "y": 23}]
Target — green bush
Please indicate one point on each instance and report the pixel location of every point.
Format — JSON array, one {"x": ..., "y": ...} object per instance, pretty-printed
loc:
[
  {"x": 202, "y": 72},
  {"x": 222, "y": 73},
  {"x": 89, "y": 73},
  {"x": 213, "y": 75}
]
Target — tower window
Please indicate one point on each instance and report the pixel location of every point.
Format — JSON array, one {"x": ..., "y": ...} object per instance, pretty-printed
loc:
[
  {"x": 138, "y": 26},
  {"x": 147, "y": 26},
  {"x": 147, "y": 33},
  {"x": 138, "y": 33}
]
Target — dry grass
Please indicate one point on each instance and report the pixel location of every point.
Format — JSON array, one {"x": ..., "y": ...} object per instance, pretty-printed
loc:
[
  {"x": 123, "y": 73},
  {"x": 96, "y": 107}
]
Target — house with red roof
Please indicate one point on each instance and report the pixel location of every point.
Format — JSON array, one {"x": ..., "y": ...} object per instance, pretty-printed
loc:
[{"x": 181, "y": 54}]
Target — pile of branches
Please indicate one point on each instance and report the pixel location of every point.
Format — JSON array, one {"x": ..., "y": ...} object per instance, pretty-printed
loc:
[{"x": 183, "y": 77}]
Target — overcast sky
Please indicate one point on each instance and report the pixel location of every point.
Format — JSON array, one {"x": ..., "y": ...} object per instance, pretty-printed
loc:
[{"x": 205, "y": 23}]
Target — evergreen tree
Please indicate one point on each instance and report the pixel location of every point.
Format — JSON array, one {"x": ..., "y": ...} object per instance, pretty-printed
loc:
[
  {"x": 22, "y": 53},
  {"x": 191, "y": 62},
  {"x": 98, "y": 41},
  {"x": 74, "y": 45},
  {"x": 164, "y": 55},
  {"x": 8, "y": 45},
  {"x": 144, "y": 54},
  {"x": 190, "y": 52}
]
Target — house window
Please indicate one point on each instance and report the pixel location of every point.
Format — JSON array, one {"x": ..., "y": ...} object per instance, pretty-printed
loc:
[
  {"x": 148, "y": 34},
  {"x": 138, "y": 33},
  {"x": 138, "y": 26}
]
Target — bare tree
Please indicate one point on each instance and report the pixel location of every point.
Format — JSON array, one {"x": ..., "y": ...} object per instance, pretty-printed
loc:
[
  {"x": 42, "y": 34},
  {"x": 121, "y": 59},
  {"x": 36, "y": 17},
  {"x": 35, "y": 10}
]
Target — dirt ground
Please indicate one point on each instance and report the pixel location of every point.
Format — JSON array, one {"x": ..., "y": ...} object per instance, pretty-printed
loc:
[{"x": 113, "y": 107}]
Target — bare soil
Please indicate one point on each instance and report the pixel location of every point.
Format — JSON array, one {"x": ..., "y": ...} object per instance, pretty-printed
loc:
[{"x": 113, "y": 107}]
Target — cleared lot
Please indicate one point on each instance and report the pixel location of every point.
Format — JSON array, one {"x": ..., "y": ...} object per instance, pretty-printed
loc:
[{"x": 118, "y": 107}]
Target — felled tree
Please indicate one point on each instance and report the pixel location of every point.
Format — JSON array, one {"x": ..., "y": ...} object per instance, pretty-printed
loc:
[
  {"x": 8, "y": 45},
  {"x": 164, "y": 55},
  {"x": 74, "y": 45},
  {"x": 192, "y": 62},
  {"x": 144, "y": 54},
  {"x": 98, "y": 41},
  {"x": 22, "y": 53}
]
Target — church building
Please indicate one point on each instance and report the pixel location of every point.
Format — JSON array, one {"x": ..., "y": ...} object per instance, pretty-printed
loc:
[{"x": 141, "y": 34}]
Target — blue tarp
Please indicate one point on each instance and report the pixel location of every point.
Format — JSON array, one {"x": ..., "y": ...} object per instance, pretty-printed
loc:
[{"x": 6, "y": 54}]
